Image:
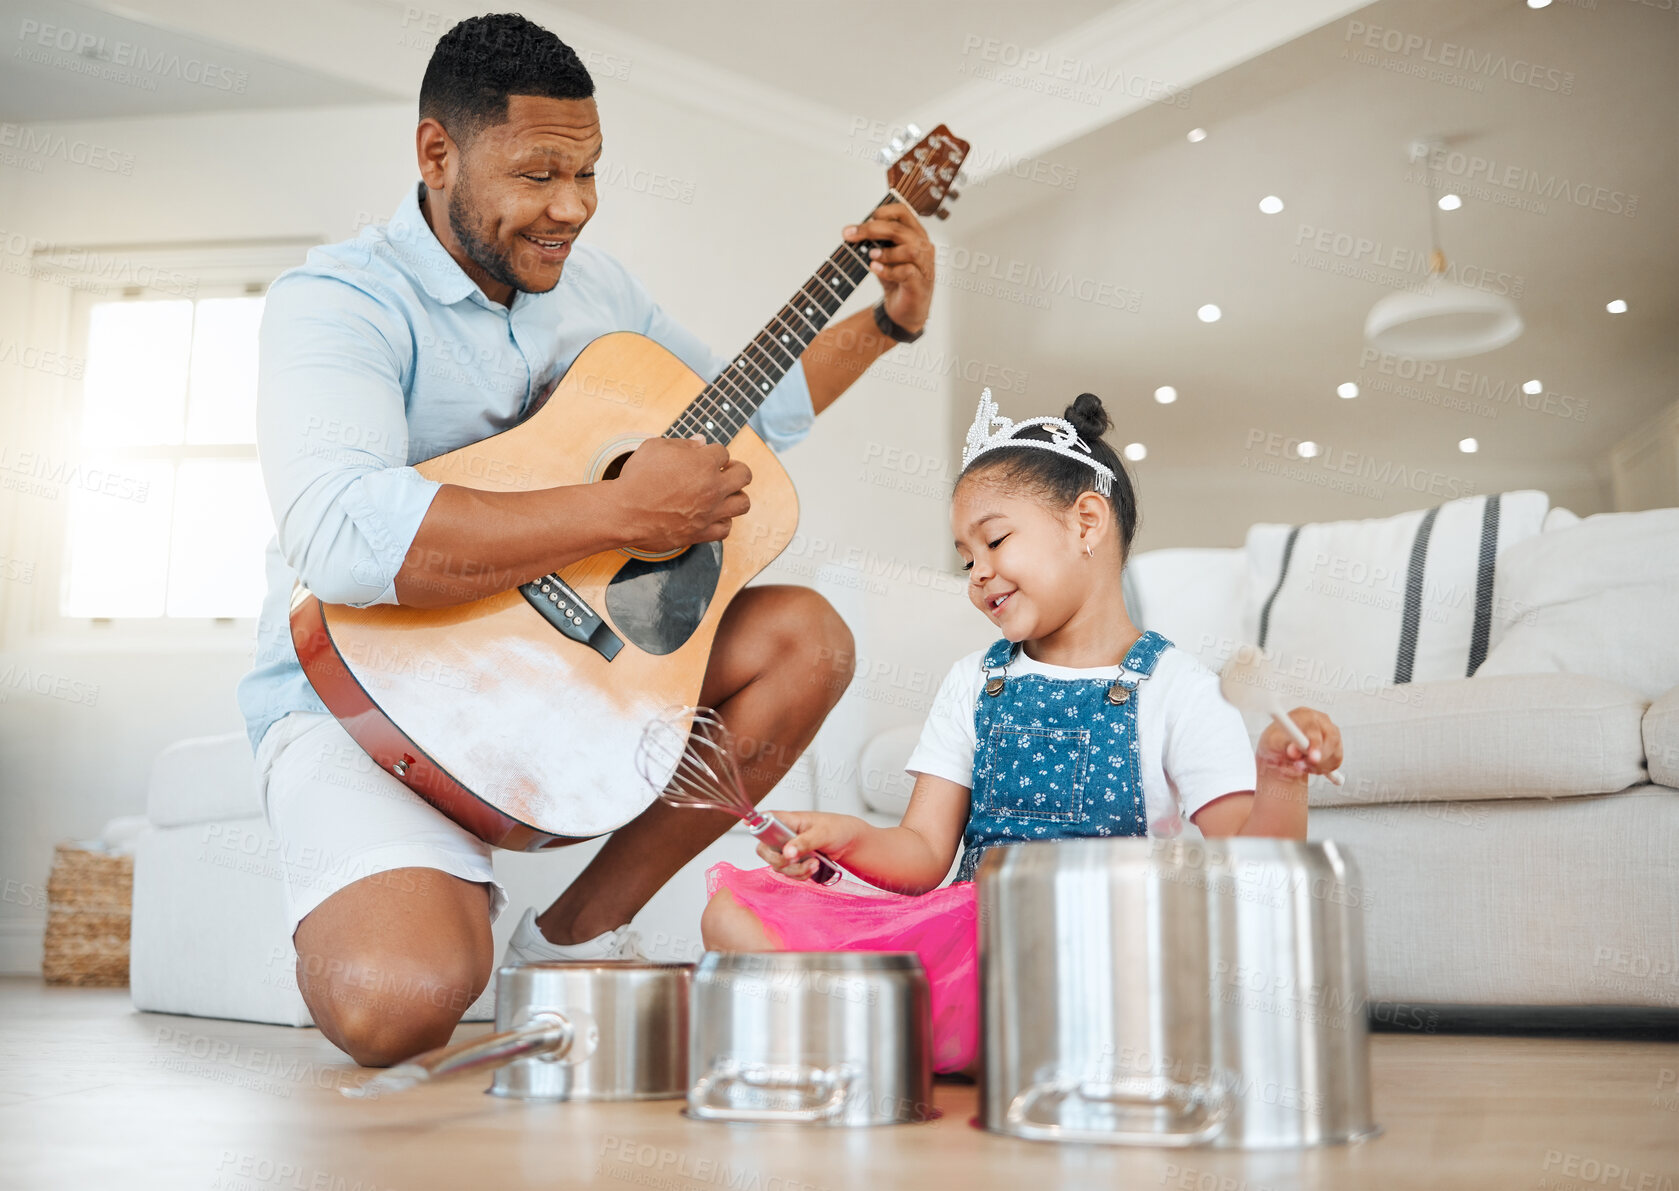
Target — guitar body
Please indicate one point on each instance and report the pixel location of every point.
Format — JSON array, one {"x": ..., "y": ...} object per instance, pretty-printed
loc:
[{"x": 517, "y": 731}]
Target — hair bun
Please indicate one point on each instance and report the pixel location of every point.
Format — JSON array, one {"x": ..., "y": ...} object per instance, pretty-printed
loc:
[{"x": 1087, "y": 416}]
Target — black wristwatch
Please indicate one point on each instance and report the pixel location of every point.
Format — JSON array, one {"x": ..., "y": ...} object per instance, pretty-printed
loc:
[{"x": 891, "y": 329}]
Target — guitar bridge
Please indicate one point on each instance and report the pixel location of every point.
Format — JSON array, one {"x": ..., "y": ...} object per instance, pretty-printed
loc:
[{"x": 570, "y": 613}]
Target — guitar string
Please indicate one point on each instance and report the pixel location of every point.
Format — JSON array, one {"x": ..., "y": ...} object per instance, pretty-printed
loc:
[
  {"x": 755, "y": 356},
  {"x": 694, "y": 418},
  {"x": 755, "y": 353},
  {"x": 692, "y": 415}
]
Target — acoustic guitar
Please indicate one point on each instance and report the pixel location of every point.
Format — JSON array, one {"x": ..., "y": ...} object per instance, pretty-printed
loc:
[{"x": 518, "y": 715}]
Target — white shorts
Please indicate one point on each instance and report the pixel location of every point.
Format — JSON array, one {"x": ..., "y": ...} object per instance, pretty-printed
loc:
[{"x": 337, "y": 817}]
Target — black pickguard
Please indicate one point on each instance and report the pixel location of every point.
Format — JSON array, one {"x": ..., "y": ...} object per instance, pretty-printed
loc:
[{"x": 658, "y": 605}]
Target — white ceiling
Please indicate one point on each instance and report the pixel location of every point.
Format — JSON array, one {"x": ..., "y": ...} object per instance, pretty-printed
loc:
[
  {"x": 1178, "y": 223},
  {"x": 880, "y": 58},
  {"x": 69, "y": 61}
]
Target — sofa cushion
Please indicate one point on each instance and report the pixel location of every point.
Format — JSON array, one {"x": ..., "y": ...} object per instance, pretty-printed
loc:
[
  {"x": 881, "y": 780},
  {"x": 1661, "y": 739},
  {"x": 1600, "y": 598},
  {"x": 1390, "y": 600},
  {"x": 203, "y": 779},
  {"x": 1521, "y": 736},
  {"x": 1517, "y": 902},
  {"x": 1192, "y": 597}
]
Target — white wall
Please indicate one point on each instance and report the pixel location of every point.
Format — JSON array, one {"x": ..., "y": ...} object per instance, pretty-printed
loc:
[{"x": 757, "y": 222}]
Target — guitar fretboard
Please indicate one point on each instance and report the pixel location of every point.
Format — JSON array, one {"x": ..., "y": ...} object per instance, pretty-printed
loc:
[{"x": 722, "y": 409}]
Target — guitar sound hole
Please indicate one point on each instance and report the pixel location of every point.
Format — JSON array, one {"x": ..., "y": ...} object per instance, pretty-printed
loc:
[{"x": 616, "y": 467}]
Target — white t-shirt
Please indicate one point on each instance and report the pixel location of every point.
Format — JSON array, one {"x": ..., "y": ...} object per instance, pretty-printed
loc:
[{"x": 1192, "y": 746}]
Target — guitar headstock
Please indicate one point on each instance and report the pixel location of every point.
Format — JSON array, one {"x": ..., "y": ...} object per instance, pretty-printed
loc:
[{"x": 923, "y": 173}]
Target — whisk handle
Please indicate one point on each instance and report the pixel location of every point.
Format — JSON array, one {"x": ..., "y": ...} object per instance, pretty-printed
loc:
[{"x": 775, "y": 833}]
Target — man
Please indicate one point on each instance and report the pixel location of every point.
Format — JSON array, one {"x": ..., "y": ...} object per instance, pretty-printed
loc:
[{"x": 448, "y": 325}]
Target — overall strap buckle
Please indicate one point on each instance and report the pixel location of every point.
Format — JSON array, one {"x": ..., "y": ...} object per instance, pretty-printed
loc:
[
  {"x": 997, "y": 658},
  {"x": 1140, "y": 659}
]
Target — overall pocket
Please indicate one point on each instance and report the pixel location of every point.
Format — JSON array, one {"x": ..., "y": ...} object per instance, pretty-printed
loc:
[{"x": 1036, "y": 773}]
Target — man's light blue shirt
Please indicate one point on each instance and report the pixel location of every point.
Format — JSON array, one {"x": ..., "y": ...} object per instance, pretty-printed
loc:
[{"x": 380, "y": 352}]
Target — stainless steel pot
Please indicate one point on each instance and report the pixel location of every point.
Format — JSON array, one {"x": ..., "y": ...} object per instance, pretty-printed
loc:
[
  {"x": 599, "y": 1030},
  {"x": 816, "y": 1038},
  {"x": 1173, "y": 993}
]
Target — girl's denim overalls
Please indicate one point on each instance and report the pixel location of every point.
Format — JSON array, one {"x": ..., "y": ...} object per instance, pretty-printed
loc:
[{"x": 1056, "y": 758}]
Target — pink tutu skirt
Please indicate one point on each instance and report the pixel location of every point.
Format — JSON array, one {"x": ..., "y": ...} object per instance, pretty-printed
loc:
[{"x": 939, "y": 926}]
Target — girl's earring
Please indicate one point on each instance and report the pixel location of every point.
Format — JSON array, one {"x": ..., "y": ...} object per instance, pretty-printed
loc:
[{"x": 1087, "y": 551}]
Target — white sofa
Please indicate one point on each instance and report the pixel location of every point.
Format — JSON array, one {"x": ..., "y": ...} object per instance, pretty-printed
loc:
[
  {"x": 209, "y": 938},
  {"x": 1515, "y": 832}
]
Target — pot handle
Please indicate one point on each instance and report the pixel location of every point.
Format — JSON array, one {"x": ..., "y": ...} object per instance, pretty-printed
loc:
[
  {"x": 1143, "y": 1092},
  {"x": 825, "y": 1087},
  {"x": 547, "y": 1034}
]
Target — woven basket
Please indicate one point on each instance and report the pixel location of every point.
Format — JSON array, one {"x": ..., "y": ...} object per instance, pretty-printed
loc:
[{"x": 89, "y": 904}]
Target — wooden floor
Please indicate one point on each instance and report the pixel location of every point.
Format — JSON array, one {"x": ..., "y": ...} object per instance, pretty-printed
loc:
[{"x": 94, "y": 1096}]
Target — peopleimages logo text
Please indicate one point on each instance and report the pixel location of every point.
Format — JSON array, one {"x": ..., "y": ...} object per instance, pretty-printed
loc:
[{"x": 95, "y": 49}]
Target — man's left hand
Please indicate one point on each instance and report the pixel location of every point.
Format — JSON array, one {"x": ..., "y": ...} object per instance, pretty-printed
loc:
[{"x": 904, "y": 262}]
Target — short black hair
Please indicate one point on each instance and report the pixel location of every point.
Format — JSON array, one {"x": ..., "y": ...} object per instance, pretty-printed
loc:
[
  {"x": 1060, "y": 481},
  {"x": 483, "y": 60}
]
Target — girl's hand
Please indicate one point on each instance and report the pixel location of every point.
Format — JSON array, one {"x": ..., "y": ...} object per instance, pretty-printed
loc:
[
  {"x": 814, "y": 831},
  {"x": 1279, "y": 756}
]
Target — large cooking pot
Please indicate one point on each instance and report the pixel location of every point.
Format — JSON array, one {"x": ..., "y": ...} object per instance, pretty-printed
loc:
[
  {"x": 572, "y": 1030},
  {"x": 1173, "y": 993},
  {"x": 814, "y": 1038}
]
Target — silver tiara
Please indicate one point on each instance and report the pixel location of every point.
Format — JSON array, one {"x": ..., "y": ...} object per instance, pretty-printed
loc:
[{"x": 991, "y": 430}]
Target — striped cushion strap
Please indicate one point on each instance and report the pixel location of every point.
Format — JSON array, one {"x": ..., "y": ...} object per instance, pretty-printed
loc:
[
  {"x": 1282, "y": 573},
  {"x": 1412, "y": 615},
  {"x": 1482, "y": 630}
]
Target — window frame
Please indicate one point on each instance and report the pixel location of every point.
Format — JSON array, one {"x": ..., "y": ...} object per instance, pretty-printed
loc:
[{"x": 67, "y": 283}]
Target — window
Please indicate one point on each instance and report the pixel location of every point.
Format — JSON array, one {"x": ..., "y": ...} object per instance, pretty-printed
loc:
[{"x": 168, "y": 517}]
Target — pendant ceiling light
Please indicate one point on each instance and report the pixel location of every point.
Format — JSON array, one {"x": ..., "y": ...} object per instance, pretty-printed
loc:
[{"x": 1440, "y": 319}]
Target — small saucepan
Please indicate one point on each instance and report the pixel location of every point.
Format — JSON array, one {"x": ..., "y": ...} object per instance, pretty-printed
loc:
[
  {"x": 573, "y": 1030},
  {"x": 811, "y": 1038}
]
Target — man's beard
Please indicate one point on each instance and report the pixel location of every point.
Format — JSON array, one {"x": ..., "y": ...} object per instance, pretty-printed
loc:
[{"x": 486, "y": 254}]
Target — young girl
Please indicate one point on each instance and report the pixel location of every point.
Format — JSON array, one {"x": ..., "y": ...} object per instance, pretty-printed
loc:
[{"x": 1075, "y": 723}]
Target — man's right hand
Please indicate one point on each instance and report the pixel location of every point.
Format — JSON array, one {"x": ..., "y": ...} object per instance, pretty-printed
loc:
[{"x": 676, "y": 492}]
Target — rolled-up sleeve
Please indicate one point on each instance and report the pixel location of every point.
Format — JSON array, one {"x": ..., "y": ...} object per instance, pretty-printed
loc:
[
  {"x": 786, "y": 415},
  {"x": 332, "y": 435}
]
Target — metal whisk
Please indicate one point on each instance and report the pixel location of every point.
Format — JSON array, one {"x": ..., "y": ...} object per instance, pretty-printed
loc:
[{"x": 701, "y": 762}]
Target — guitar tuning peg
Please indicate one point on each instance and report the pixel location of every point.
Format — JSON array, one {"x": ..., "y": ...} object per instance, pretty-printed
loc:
[
  {"x": 941, "y": 213},
  {"x": 885, "y": 156},
  {"x": 952, "y": 194},
  {"x": 961, "y": 177},
  {"x": 914, "y": 131},
  {"x": 896, "y": 144}
]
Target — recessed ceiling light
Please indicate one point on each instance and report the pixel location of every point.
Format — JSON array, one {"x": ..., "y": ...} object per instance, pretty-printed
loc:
[
  {"x": 1270, "y": 204},
  {"x": 1618, "y": 306},
  {"x": 1197, "y": 135},
  {"x": 1538, "y": 3},
  {"x": 1136, "y": 452},
  {"x": 1450, "y": 202},
  {"x": 1165, "y": 394},
  {"x": 1307, "y": 449},
  {"x": 1209, "y": 313},
  {"x": 1533, "y": 386},
  {"x": 1468, "y": 446},
  {"x": 1347, "y": 389}
]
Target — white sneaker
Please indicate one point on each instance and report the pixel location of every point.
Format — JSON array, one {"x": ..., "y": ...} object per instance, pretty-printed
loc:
[{"x": 528, "y": 946}]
